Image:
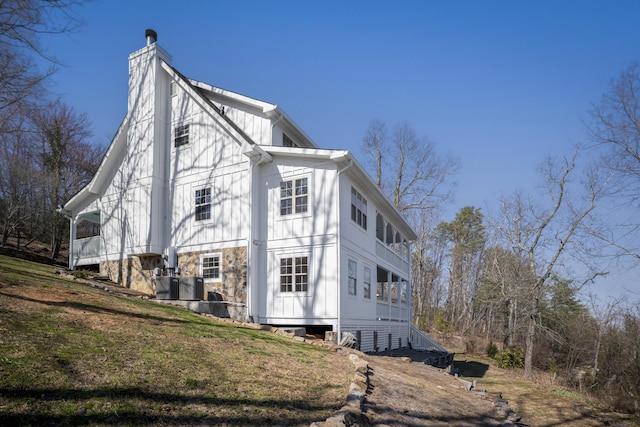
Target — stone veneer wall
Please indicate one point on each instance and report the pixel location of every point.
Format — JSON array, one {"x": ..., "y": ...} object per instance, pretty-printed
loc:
[
  {"x": 233, "y": 287},
  {"x": 134, "y": 272}
]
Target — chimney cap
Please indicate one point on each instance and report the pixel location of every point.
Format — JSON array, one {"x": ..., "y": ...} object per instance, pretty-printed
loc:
[{"x": 151, "y": 36}]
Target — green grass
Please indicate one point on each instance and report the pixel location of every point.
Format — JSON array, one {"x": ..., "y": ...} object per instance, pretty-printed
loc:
[{"x": 71, "y": 354}]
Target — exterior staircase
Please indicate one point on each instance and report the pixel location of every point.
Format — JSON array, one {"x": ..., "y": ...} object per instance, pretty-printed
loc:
[{"x": 438, "y": 356}]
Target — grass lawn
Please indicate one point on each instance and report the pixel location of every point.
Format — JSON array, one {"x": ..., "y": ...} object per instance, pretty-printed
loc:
[{"x": 71, "y": 354}]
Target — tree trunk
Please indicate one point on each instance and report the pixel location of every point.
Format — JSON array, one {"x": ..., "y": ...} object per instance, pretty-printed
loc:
[{"x": 529, "y": 340}]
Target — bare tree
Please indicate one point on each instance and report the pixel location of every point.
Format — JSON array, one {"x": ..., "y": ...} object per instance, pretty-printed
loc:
[
  {"x": 416, "y": 179},
  {"x": 68, "y": 161},
  {"x": 616, "y": 131},
  {"x": 427, "y": 260},
  {"x": 466, "y": 235},
  {"x": 16, "y": 167},
  {"x": 408, "y": 168},
  {"x": 545, "y": 233},
  {"x": 503, "y": 292},
  {"x": 604, "y": 317},
  {"x": 22, "y": 24}
]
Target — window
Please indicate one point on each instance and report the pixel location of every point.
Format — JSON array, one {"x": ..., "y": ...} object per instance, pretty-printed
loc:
[
  {"x": 382, "y": 291},
  {"x": 366, "y": 287},
  {"x": 390, "y": 234},
  {"x": 173, "y": 88},
  {"x": 181, "y": 135},
  {"x": 287, "y": 142},
  {"x": 353, "y": 277},
  {"x": 358, "y": 208},
  {"x": 210, "y": 266},
  {"x": 293, "y": 274},
  {"x": 203, "y": 204},
  {"x": 380, "y": 227},
  {"x": 394, "y": 289},
  {"x": 293, "y": 193},
  {"x": 403, "y": 292}
]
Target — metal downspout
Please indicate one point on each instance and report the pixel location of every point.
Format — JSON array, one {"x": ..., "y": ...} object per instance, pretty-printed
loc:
[
  {"x": 338, "y": 246},
  {"x": 253, "y": 246}
]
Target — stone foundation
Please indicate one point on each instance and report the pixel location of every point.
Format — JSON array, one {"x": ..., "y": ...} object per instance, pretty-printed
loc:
[
  {"x": 135, "y": 272},
  {"x": 233, "y": 287}
]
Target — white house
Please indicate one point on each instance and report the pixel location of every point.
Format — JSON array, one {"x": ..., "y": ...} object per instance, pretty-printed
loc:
[{"x": 200, "y": 181}]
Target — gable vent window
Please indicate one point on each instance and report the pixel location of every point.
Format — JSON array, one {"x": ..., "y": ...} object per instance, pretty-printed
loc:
[
  {"x": 181, "y": 135},
  {"x": 287, "y": 142},
  {"x": 173, "y": 88}
]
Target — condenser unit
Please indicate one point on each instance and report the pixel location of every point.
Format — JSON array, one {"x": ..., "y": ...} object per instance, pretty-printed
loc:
[
  {"x": 192, "y": 288},
  {"x": 167, "y": 287}
]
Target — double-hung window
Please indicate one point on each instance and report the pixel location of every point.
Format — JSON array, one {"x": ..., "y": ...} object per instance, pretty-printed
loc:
[
  {"x": 181, "y": 135},
  {"x": 353, "y": 277},
  {"x": 210, "y": 266},
  {"x": 293, "y": 274},
  {"x": 294, "y": 196},
  {"x": 366, "y": 287},
  {"x": 203, "y": 204},
  {"x": 358, "y": 208}
]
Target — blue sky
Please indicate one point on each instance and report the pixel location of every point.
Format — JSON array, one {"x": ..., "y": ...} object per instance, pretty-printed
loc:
[{"x": 498, "y": 84}]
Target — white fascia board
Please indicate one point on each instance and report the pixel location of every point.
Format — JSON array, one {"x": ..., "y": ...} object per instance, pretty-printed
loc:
[
  {"x": 311, "y": 153},
  {"x": 250, "y": 148},
  {"x": 277, "y": 115},
  {"x": 116, "y": 148},
  {"x": 261, "y": 105},
  {"x": 360, "y": 175}
]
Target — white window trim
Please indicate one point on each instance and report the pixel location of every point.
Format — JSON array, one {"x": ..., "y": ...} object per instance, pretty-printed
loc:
[
  {"x": 185, "y": 128},
  {"x": 196, "y": 205},
  {"x": 349, "y": 277},
  {"x": 293, "y": 256},
  {"x": 293, "y": 213},
  {"x": 365, "y": 283},
  {"x": 211, "y": 255}
]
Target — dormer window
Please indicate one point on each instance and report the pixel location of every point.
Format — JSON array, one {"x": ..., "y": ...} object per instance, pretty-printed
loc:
[
  {"x": 287, "y": 142},
  {"x": 181, "y": 135}
]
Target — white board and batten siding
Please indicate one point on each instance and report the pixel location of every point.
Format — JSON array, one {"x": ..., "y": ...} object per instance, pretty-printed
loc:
[
  {"x": 212, "y": 159},
  {"x": 311, "y": 234}
]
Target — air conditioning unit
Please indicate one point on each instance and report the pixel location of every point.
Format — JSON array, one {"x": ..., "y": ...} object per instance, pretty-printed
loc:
[
  {"x": 167, "y": 287},
  {"x": 192, "y": 288}
]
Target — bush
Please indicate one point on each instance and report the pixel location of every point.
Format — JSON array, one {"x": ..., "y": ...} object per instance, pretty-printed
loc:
[
  {"x": 492, "y": 349},
  {"x": 510, "y": 358}
]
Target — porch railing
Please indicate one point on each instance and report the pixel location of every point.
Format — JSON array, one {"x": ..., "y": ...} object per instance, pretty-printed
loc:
[{"x": 89, "y": 247}]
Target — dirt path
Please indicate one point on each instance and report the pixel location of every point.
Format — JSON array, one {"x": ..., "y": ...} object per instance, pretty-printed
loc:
[{"x": 404, "y": 393}]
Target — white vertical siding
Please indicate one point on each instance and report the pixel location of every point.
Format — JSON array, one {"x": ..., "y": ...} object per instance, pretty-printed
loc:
[{"x": 311, "y": 234}]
